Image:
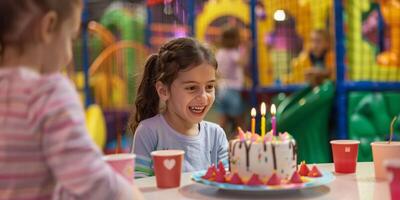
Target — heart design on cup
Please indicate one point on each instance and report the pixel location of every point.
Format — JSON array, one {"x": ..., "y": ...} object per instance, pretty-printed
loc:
[{"x": 169, "y": 163}]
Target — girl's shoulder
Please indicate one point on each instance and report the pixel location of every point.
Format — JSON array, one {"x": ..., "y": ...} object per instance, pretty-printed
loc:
[{"x": 151, "y": 123}]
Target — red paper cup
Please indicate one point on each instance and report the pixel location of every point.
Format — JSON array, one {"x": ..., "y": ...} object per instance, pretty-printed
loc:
[
  {"x": 124, "y": 164},
  {"x": 345, "y": 154},
  {"x": 168, "y": 167},
  {"x": 393, "y": 172}
]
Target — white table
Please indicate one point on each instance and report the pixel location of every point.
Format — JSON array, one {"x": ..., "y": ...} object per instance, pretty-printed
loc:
[{"x": 361, "y": 185}]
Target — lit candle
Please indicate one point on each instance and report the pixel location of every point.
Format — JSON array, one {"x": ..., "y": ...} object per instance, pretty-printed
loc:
[
  {"x": 273, "y": 119},
  {"x": 253, "y": 120},
  {"x": 263, "y": 111}
]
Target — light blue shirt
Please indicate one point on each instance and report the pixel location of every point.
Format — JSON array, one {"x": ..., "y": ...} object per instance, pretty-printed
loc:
[{"x": 208, "y": 147}]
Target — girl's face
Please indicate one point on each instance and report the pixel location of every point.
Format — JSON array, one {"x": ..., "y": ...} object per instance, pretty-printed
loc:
[
  {"x": 60, "y": 47},
  {"x": 192, "y": 94}
]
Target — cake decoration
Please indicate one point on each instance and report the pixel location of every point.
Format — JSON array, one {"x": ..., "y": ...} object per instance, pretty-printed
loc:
[
  {"x": 274, "y": 180},
  {"x": 235, "y": 179},
  {"x": 220, "y": 177},
  {"x": 255, "y": 180},
  {"x": 211, "y": 172},
  {"x": 303, "y": 171},
  {"x": 254, "y": 154},
  {"x": 269, "y": 159},
  {"x": 221, "y": 169},
  {"x": 296, "y": 178},
  {"x": 314, "y": 172}
]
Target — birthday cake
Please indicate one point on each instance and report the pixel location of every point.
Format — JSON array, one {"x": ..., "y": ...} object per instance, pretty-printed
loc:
[
  {"x": 251, "y": 154},
  {"x": 269, "y": 160}
]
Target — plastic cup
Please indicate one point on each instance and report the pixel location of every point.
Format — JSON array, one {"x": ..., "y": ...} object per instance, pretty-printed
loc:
[
  {"x": 345, "y": 154},
  {"x": 383, "y": 151},
  {"x": 168, "y": 167},
  {"x": 392, "y": 167},
  {"x": 123, "y": 164}
]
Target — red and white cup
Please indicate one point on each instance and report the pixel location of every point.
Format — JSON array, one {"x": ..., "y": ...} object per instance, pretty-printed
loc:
[
  {"x": 123, "y": 164},
  {"x": 393, "y": 171},
  {"x": 168, "y": 167},
  {"x": 345, "y": 153}
]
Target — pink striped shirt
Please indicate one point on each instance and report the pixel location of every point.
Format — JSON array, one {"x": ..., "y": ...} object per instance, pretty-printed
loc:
[{"x": 44, "y": 143}]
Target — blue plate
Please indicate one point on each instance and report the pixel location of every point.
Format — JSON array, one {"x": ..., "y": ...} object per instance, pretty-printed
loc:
[{"x": 326, "y": 178}]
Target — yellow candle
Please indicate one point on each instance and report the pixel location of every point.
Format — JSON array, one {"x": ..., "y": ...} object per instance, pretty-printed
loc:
[
  {"x": 253, "y": 120},
  {"x": 263, "y": 111}
]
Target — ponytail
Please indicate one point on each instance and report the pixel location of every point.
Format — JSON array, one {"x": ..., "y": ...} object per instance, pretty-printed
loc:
[{"x": 147, "y": 100}]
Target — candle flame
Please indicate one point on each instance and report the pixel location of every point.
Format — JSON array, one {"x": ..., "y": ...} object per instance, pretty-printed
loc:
[
  {"x": 273, "y": 109},
  {"x": 253, "y": 112},
  {"x": 263, "y": 109}
]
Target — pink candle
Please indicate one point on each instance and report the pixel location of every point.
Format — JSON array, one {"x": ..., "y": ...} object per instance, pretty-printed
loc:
[{"x": 273, "y": 119}]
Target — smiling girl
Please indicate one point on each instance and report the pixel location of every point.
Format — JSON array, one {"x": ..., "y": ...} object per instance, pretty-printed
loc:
[{"x": 176, "y": 92}]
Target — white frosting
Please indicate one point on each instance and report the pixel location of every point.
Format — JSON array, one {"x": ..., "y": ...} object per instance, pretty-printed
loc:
[{"x": 261, "y": 158}]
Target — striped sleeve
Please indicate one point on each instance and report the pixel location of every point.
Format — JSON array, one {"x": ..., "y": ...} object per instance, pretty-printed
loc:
[
  {"x": 143, "y": 167},
  {"x": 144, "y": 143},
  {"x": 72, "y": 157}
]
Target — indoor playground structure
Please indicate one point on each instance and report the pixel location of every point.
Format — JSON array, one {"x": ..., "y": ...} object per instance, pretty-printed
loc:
[
  {"x": 363, "y": 39},
  {"x": 317, "y": 13},
  {"x": 117, "y": 53}
]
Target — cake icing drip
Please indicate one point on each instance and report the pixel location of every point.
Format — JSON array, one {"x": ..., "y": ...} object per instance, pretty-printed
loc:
[
  {"x": 251, "y": 154},
  {"x": 247, "y": 143}
]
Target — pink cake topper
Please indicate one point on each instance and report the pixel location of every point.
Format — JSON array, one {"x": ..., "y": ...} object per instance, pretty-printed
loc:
[
  {"x": 284, "y": 136},
  {"x": 268, "y": 137}
]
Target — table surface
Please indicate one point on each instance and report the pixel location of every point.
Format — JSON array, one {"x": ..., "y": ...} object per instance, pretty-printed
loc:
[{"x": 359, "y": 185}]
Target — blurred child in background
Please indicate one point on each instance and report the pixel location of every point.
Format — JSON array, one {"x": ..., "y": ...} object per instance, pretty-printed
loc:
[
  {"x": 174, "y": 96},
  {"x": 44, "y": 143},
  {"x": 232, "y": 59},
  {"x": 316, "y": 63}
]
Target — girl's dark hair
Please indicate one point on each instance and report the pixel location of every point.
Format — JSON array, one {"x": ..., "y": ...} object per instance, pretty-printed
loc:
[
  {"x": 18, "y": 18},
  {"x": 173, "y": 57},
  {"x": 230, "y": 37}
]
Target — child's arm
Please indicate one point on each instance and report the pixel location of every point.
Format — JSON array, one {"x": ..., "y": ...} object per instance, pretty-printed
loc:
[
  {"x": 71, "y": 156},
  {"x": 144, "y": 143}
]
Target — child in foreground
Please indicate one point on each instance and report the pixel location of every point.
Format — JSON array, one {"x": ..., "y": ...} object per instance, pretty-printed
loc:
[
  {"x": 176, "y": 92},
  {"x": 45, "y": 150}
]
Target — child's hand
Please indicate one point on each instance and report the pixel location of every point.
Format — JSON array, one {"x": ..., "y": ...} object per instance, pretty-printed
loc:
[{"x": 315, "y": 76}]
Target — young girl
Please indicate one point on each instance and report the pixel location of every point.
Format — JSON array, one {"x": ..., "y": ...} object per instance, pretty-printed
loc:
[
  {"x": 44, "y": 143},
  {"x": 181, "y": 80}
]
